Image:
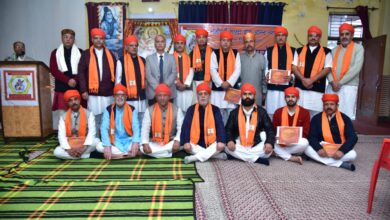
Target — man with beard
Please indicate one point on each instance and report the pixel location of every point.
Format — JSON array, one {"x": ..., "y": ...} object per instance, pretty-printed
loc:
[
  {"x": 96, "y": 73},
  {"x": 185, "y": 74},
  {"x": 348, "y": 60},
  {"x": 120, "y": 128},
  {"x": 243, "y": 128},
  {"x": 252, "y": 67},
  {"x": 19, "y": 53},
  {"x": 332, "y": 136},
  {"x": 202, "y": 132},
  {"x": 160, "y": 133},
  {"x": 201, "y": 58},
  {"x": 296, "y": 116},
  {"x": 279, "y": 56},
  {"x": 63, "y": 66},
  {"x": 76, "y": 130},
  {"x": 225, "y": 73},
  {"x": 130, "y": 71},
  {"x": 311, "y": 65}
]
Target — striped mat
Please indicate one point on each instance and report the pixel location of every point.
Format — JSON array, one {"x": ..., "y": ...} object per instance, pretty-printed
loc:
[
  {"x": 47, "y": 168},
  {"x": 97, "y": 200}
]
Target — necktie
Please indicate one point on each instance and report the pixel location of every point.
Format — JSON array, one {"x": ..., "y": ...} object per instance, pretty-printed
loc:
[
  {"x": 161, "y": 68},
  {"x": 180, "y": 60}
]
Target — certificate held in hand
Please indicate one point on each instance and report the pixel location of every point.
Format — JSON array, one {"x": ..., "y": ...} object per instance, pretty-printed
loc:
[
  {"x": 278, "y": 77},
  {"x": 233, "y": 96},
  {"x": 76, "y": 142},
  {"x": 288, "y": 135},
  {"x": 331, "y": 149}
]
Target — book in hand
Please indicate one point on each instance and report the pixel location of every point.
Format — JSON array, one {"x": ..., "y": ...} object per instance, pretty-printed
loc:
[
  {"x": 330, "y": 149},
  {"x": 288, "y": 135},
  {"x": 76, "y": 142},
  {"x": 233, "y": 96},
  {"x": 278, "y": 77}
]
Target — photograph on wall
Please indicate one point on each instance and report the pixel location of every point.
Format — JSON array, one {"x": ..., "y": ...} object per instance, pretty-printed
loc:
[
  {"x": 146, "y": 35},
  {"x": 111, "y": 21}
]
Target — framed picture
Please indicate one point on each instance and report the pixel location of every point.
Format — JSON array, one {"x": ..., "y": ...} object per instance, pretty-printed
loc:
[{"x": 278, "y": 77}]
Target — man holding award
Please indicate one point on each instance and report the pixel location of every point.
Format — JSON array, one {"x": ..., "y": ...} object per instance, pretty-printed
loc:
[
  {"x": 76, "y": 130},
  {"x": 292, "y": 123},
  {"x": 243, "y": 129},
  {"x": 332, "y": 136},
  {"x": 279, "y": 60}
]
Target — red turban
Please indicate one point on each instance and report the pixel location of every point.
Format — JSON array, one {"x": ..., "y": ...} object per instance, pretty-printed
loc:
[
  {"x": 248, "y": 87},
  {"x": 249, "y": 35},
  {"x": 226, "y": 34},
  {"x": 281, "y": 29},
  {"x": 97, "y": 32},
  {"x": 201, "y": 32},
  {"x": 178, "y": 38},
  {"x": 203, "y": 86},
  {"x": 163, "y": 88},
  {"x": 120, "y": 87},
  {"x": 314, "y": 29},
  {"x": 346, "y": 27},
  {"x": 291, "y": 91},
  {"x": 131, "y": 39},
  {"x": 70, "y": 94},
  {"x": 330, "y": 98}
]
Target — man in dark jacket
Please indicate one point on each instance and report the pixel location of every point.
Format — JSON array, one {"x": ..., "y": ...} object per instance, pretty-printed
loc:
[{"x": 244, "y": 140}]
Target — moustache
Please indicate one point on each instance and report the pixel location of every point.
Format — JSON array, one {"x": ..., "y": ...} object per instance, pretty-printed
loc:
[{"x": 328, "y": 109}]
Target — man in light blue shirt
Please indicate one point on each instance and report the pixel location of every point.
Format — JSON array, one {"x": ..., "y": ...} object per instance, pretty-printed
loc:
[{"x": 120, "y": 129}]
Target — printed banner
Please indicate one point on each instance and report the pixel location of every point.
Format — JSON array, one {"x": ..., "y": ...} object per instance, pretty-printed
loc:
[
  {"x": 19, "y": 87},
  {"x": 264, "y": 34}
]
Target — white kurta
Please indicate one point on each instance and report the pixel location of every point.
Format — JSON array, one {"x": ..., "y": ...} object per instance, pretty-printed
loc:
[
  {"x": 184, "y": 99},
  {"x": 217, "y": 97}
]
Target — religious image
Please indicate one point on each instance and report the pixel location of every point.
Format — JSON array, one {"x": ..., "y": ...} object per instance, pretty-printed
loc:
[
  {"x": 19, "y": 85},
  {"x": 146, "y": 35},
  {"x": 111, "y": 21}
]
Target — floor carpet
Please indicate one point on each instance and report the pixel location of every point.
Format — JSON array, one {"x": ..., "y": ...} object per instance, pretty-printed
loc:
[{"x": 285, "y": 190}]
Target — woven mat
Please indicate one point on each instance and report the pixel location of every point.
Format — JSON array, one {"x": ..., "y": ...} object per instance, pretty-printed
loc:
[{"x": 285, "y": 190}]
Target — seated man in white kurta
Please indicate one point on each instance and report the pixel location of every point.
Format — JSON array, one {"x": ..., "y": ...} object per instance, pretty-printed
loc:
[
  {"x": 243, "y": 129},
  {"x": 160, "y": 133},
  {"x": 76, "y": 130},
  {"x": 120, "y": 128}
]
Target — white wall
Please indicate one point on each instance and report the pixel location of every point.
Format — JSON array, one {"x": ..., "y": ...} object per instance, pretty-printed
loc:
[{"x": 38, "y": 24}]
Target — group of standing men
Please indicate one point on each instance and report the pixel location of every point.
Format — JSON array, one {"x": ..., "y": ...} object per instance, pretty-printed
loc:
[{"x": 165, "y": 103}]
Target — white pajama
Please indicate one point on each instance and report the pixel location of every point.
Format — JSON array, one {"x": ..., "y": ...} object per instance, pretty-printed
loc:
[
  {"x": 350, "y": 156},
  {"x": 114, "y": 150},
  {"x": 285, "y": 152},
  {"x": 159, "y": 151},
  {"x": 203, "y": 154},
  {"x": 249, "y": 154}
]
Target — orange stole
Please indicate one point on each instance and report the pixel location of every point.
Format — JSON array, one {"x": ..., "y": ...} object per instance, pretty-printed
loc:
[
  {"x": 208, "y": 126},
  {"x": 275, "y": 57},
  {"x": 285, "y": 116},
  {"x": 127, "y": 121},
  {"x": 247, "y": 142},
  {"x": 319, "y": 61},
  {"x": 82, "y": 132},
  {"x": 326, "y": 133},
  {"x": 346, "y": 61},
  {"x": 231, "y": 61},
  {"x": 131, "y": 82},
  {"x": 197, "y": 61},
  {"x": 186, "y": 65},
  {"x": 157, "y": 124},
  {"x": 93, "y": 73}
]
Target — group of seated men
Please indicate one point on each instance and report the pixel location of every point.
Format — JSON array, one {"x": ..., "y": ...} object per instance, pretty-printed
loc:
[
  {"x": 248, "y": 135},
  {"x": 179, "y": 98}
]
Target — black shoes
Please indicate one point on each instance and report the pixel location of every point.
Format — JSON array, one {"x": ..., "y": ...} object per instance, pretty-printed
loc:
[{"x": 348, "y": 166}]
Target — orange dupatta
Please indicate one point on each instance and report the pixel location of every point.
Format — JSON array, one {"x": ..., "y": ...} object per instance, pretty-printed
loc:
[
  {"x": 326, "y": 133},
  {"x": 231, "y": 61},
  {"x": 82, "y": 132},
  {"x": 186, "y": 65},
  {"x": 247, "y": 142},
  {"x": 197, "y": 61},
  {"x": 319, "y": 61},
  {"x": 131, "y": 82},
  {"x": 157, "y": 124},
  {"x": 275, "y": 57},
  {"x": 346, "y": 61},
  {"x": 285, "y": 116},
  {"x": 208, "y": 126},
  {"x": 127, "y": 121},
  {"x": 93, "y": 73}
]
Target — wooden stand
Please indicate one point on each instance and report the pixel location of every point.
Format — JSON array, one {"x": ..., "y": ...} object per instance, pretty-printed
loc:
[{"x": 25, "y": 99}]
